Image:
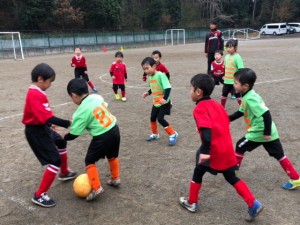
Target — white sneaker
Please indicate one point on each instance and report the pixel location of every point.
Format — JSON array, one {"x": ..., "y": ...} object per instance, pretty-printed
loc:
[
  {"x": 114, "y": 182},
  {"x": 93, "y": 194},
  {"x": 185, "y": 204},
  {"x": 153, "y": 137},
  {"x": 124, "y": 99}
]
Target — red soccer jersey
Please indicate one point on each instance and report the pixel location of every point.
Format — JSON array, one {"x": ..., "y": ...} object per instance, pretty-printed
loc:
[
  {"x": 218, "y": 68},
  {"x": 162, "y": 68},
  {"x": 118, "y": 70},
  {"x": 37, "y": 110},
  {"x": 79, "y": 61},
  {"x": 210, "y": 114}
]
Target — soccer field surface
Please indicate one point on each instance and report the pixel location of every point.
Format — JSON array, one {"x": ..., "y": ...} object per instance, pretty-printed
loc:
[{"x": 154, "y": 175}]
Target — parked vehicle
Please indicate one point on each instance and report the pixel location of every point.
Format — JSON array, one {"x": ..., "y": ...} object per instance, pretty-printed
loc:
[
  {"x": 273, "y": 28},
  {"x": 290, "y": 29},
  {"x": 296, "y": 26}
]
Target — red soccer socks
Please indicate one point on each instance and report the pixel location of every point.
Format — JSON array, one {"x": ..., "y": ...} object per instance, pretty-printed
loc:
[
  {"x": 123, "y": 94},
  {"x": 91, "y": 84},
  {"x": 47, "y": 179},
  {"x": 289, "y": 168},
  {"x": 64, "y": 161},
  {"x": 243, "y": 190},
  {"x": 223, "y": 101},
  {"x": 194, "y": 192},
  {"x": 239, "y": 158}
]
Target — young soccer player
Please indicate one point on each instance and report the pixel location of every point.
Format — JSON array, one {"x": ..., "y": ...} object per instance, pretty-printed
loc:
[
  {"x": 214, "y": 41},
  {"x": 160, "y": 88},
  {"x": 233, "y": 62},
  {"x": 47, "y": 145},
  {"x": 118, "y": 74},
  {"x": 92, "y": 115},
  {"x": 261, "y": 130},
  {"x": 216, "y": 153},
  {"x": 218, "y": 68},
  {"x": 79, "y": 62},
  {"x": 156, "y": 55}
]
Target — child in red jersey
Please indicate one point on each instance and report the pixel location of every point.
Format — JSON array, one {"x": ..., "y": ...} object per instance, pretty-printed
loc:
[
  {"x": 216, "y": 153},
  {"x": 218, "y": 68},
  {"x": 47, "y": 145},
  {"x": 118, "y": 74},
  {"x": 214, "y": 41},
  {"x": 160, "y": 89},
  {"x": 79, "y": 62},
  {"x": 156, "y": 55}
]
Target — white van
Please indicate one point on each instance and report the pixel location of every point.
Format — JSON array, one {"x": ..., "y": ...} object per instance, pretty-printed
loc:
[
  {"x": 273, "y": 28},
  {"x": 296, "y": 26}
]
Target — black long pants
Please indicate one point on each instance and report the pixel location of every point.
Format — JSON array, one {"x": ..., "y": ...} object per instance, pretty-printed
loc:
[{"x": 158, "y": 113}]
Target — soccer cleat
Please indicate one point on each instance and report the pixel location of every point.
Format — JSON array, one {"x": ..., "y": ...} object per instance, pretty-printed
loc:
[
  {"x": 44, "y": 200},
  {"x": 233, "y": 97},
  {"x": 95, "y": 90},
  {"x": 173, "y": 138},
  {"x": 254, "y": 211},
  {"x": 114, "y": 182},
  {"x": 291, "y": 184},
  {"x": 69, "y": 176},
  {"x": 124, "y": 99},
  {"x": 185, "y": 204},
  {"x": 117, "y": 96},
  {"x": 93, "y": 194},
  {"x": 153, "y": 137}
]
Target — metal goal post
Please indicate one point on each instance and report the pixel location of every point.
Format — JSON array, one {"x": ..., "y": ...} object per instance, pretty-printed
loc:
[
  {"x": 11, "y": 40},
  {"x": 175, "y": 34}
]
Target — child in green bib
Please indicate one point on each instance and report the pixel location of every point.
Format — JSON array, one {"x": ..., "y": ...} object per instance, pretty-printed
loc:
[
  {"x": 93, "y": 115},
  {"x": 261, "y": 130},
  {"x": 160, "y": 89}
]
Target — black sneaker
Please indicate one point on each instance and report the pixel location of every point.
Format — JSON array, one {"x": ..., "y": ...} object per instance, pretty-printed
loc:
[
  {"x": 44, "y": 200},
  {"x": 69, "y": 176}
]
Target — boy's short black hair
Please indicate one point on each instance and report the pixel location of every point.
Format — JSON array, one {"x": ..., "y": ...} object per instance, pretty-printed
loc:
[
  {"x": 214, "y": 22},
  {"x": 245, "y": 76},
  {"x": 156, "y": 52},
  {"x": 77, "y": 47},
  {"x": 42, "y": 70},
  {"x": 219, "y": 51},
  {"x": 204, "y": 82},
  {"x": 78, "y": 87},
  {"x": 148, "y": 61},
  {"x": 232, "y": 43},
  {"x": 119, "y": 54}
]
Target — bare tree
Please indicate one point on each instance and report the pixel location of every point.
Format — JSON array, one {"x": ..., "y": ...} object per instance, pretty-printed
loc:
[
  {"x": 286, "y": 10},
  {"x": 67, "y": 15}
]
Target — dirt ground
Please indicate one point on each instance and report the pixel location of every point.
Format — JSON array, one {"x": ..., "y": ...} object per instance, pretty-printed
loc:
[{"x": 154, "y": 175}]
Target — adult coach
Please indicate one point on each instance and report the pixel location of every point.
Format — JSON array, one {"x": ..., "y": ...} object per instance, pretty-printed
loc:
[{"x": 214, "y": 41}]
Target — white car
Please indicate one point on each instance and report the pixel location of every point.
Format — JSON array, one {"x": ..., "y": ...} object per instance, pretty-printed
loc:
[
  {"x": 274, "y": 29},
  {"x": 296, "y": 26}
]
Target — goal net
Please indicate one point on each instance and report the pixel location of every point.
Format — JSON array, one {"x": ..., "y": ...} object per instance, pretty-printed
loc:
[
  {"x": 245, "y": 33},
  {"x": 11, "y": 46},
  {"x": 175, "y": 36}
]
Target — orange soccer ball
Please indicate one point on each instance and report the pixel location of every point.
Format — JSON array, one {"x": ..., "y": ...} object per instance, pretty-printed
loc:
[{"x": 82, "y": 186}]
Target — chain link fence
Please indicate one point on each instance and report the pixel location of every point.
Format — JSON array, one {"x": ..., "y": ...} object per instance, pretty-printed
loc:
[{"x": 37, "y": 43}]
